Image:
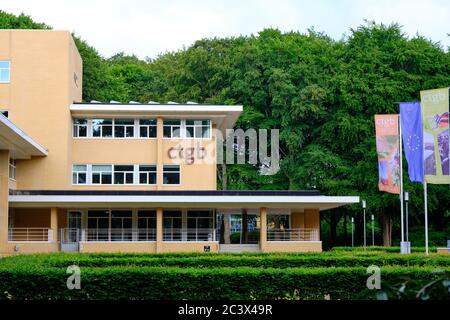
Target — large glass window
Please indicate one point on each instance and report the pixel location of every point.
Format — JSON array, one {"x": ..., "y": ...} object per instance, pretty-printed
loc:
[
  {"x": 80, "y": 128},
  {"x": 172, "y": 129},
  {"x": 121, "y": 224},
  {"x": 198, "y": 129},
  {"x": 171, "y": 174},
  {"x": 146, "y": 225},
  {"x": 5, "y": 71},
  {"x": 101, "y": 174},
  {"x": 172, "y": 222},
  {"x": 12, "y": 168},
  {"x": 147, "y": 128},
  {"x": 123, "y": 128},
  {"x": 79, "y": 174},
  {"x": 98, "y": 225},
  {"x": 147, "y": 174},
  {"x": 199, "y": 223},
  {"x": 102, "y": 128},
  {"x": 123, "y": 174}
]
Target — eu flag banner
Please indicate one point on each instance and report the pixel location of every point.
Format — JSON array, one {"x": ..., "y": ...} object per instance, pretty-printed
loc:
[
  {"x": 411, "y": 122},
  {"x": 435, "y": 105},
  {"x": 386, "y": 127}
]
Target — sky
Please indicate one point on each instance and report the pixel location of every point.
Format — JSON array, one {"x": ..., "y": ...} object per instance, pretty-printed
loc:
[{"x": 147, "y": 28}]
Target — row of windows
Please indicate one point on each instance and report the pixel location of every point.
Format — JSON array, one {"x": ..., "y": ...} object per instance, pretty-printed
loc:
[
  {"x": 147, "y": 219},
  {"x": 103, "y": 223},
  {"x": 123, "y": 174},
  {"x": 5, "y": 71},
  {"x": 140, "y": 128}
]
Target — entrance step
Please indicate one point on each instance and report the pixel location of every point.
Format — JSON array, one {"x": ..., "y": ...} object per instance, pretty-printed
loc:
[{"x": 236, "y": 248}]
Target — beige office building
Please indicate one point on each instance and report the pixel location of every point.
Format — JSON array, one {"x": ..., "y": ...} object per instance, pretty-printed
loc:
[{"x": 124, "y": 177}]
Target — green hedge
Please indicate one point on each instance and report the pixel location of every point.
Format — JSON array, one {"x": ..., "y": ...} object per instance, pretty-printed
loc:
[
  {"x": 23, "y": 282},
  {"x": 280, "y": 261},
  {"x": 382, "y": 249}
]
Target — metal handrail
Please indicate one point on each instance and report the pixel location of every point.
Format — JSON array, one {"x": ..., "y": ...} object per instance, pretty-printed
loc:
[
  {"x": 119, "y": 234},
  {"x": 32, "y": 234},
  {"x": 189, "y": 234},
  {"x": 297, "y": 234}
]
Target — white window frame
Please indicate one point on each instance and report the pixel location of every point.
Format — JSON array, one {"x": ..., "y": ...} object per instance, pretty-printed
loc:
[
  {"x": 179, "y": 173},
  {"x": 101, "y": 128},
  {"x": 181, "y": 125},
  {"x": 8, "y": 70},
  {"x": 148, "y": 126},
  {"x": 101, "y": 172},
  {"x": 78, "y": 172},
  {"x": 125, "y": 126},
  {"x": 12, "y": 169},
  {"x": 194, "y": 126},
  {"x": 76, "y": 127},
  {"x": 147, "y": 174},
  {"x": 124, "y": 174}
]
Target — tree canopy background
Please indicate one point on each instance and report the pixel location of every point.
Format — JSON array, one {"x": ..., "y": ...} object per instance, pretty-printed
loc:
[{"x": 320, "y": 93}]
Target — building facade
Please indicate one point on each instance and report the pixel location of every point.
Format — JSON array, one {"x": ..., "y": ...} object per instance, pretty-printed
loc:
[{"x": 124, "y": 177}]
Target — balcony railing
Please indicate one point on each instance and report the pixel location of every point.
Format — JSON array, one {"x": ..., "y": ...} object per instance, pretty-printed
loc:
[
  {"x": 173, "y": 234},
  {"x": 301, "y": 234},
  {"x": 113, "y": 234},
  {"x": 30, "y": 234}
]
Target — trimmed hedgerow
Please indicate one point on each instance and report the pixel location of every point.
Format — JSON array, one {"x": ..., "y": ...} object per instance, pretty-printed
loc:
[
  {"x": 232, "y": 261},
  {"x": 23, "y": 282},
  {"x": 381, "y": 249}
]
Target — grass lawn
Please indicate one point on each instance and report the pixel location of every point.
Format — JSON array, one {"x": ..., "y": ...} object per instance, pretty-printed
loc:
[{"x": 339, "y": 274}]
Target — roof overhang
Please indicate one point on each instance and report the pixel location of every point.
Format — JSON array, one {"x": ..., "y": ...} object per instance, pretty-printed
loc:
[
  {"x": 20, "y": 145},
  {"x": 177, "y": 201},
  {"x": 223, "y": 115}
]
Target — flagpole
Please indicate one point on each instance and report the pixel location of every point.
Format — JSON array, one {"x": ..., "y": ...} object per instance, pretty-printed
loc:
[
  {"x": 425, "y": 197},
  {"x": 401, "y": 184}
]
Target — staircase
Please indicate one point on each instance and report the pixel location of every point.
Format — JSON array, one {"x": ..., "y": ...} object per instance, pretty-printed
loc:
[{"x": 237, "y": 248}]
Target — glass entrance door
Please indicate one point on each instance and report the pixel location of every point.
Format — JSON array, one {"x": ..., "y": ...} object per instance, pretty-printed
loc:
[{"x": 73, "y": 226}]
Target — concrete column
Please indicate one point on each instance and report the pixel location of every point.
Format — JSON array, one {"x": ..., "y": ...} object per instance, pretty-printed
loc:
[
  {"x": 4, "y": 195},
  {"x": 159, "y": 152},
  {"x": 159, "y": 229},
  {"x": 54, "y": 224},
  {"x": 263, "y": 228}
]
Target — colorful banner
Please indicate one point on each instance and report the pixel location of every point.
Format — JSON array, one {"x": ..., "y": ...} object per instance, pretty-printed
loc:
[
  {"x": 386, "y": 127},
  {"x": 435, "y": 108},
  {"x": 411, "y": 123}
]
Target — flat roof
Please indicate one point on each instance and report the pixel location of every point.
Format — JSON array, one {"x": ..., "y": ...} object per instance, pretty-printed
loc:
[
  {"x": 21, "y": 145},
  {"x": 225, "y": 116},
  {"x": 176, "y": 199}
]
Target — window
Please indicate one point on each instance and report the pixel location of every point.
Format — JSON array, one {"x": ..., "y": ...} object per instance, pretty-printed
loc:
[
  {"x": 172, "y": 222},
  {"x": 147, "y": 128},
  {"x": 123, "y": 128},
  {"x": 80, "y": 128},
  {"x": 199, "y": 224},
  {"x": 199, "y": 219},
  {"x": 123, "y": 174},
  {"x": 101, "y": 174},
  {"x": 172, "y": 129},
  {"x": 12, "y": 169},
  {"x": 198, "y": 129},
  {"x": 79, "y": 174},
  {"x": 98, "y": 225},
  {"x": 5, "y": 71},
  {"x": 147, "y": 174},
  {"x": 121, "y": 224},
  {"x": 102, "y": 128},
  {"x": 171, "y": 174},
  {"x": 146, "y": 225}
]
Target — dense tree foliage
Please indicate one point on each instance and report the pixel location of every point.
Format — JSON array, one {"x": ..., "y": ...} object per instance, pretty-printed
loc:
[{"x": 320, "y": 93}]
